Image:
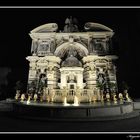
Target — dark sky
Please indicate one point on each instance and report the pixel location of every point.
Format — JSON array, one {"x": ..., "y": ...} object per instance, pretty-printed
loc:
[{"x": 15, "y": 42}]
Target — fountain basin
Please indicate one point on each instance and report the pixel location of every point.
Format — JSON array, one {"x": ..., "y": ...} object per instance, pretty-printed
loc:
[{"x": 86, "y": 111}]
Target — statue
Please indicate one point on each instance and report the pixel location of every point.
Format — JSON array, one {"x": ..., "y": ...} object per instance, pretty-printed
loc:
[
  {"x": 22, "y": 97},
  {"x": 41, "y": 98},
  {"x": 29, "y": 98},
  {"x": 42, "y": 82},
  {"x": 17, "y": 96},
  {"x": 94, "y": 99},
  {"x": 127, "y": 98},
  {"x": 70, "y": 25},
  {"x": 114, "y": 98},
  {"x": 35, "y": 97},
  {"x": 101, "y": 78},
  {"x": 48, "y": 98},
  {"x": 108, "y": 97},
  {"x": 120, "y": 96}
]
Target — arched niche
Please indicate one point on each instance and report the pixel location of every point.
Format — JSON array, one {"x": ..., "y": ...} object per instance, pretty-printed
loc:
[{"x": 64, "y": 48}]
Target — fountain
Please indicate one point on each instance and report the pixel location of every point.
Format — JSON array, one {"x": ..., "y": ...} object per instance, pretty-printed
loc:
[
  {"x": 28, "y": 102},
  {"x": 76, "y": 102},
  {"x": 66, "y": 75},
  {"x": 65, "y": 102}
]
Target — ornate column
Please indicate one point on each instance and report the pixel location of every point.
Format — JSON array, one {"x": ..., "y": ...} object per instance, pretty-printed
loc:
[
  {"x": 32, "y": 68},
  {"x": 79, "y": 73},
  {"x": 95, "y": 65},
  {"x": 89, "y": 72},
  {"x": 53, "y": 73}
]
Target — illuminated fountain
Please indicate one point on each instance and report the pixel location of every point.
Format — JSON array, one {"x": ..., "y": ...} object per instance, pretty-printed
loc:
[
  {"x": 76, "y": 101},
  {"x": 65, "y": 102},
  {"x": 74, "y": 69}
]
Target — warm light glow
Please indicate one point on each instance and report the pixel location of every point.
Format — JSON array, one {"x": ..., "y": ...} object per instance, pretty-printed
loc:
[
  {"x": 28, "y": 102},
  {"x": 65, "y": 102},
  {"x": 76, "y": 102}
]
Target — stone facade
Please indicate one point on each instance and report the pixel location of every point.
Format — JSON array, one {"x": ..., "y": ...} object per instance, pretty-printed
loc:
[{"x": 72, "y": 59}]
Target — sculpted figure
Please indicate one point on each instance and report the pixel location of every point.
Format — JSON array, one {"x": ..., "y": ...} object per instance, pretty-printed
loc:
[
  {"x": 22, "y": 97},
  {"x": 108, "y": 97}
]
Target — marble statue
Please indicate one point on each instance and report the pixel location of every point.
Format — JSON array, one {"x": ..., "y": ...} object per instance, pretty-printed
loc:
[
  {"x": 120, "y": 96},
  {"x": 94, "y": 98},
  {"x": 127, "y": 97},
  {"x": 108, "y": 97},
  {"x": 101, "y": 78},
  {"x": 22, "y": 97},
  {"x": 41, "y": 98},
  {"x": 17, "y": 96},
  {"x": 70, "y": 25},
  {"x": 35, "y": 97},
  {"x": 114, "y": 98},
  {"x": 42, "y": 83},
  {"x": 29, "y": 98}
]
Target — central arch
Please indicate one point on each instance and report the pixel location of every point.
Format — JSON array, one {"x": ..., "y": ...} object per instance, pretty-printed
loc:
[{"x": 63, "y": 48}]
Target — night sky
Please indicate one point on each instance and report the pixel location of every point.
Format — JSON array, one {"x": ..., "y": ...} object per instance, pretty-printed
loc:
[{"x": 15, "y": 42}]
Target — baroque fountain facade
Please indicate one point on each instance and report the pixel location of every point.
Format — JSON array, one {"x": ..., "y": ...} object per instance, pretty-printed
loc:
[{"x": 71, "y": 64}]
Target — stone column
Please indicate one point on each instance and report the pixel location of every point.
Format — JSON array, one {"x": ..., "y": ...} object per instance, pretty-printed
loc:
[
  {"x": 89, "y": 72},
  {"x": 63, "y": 78},
  {"x": 53, "y": 73},
  {"x": 32, "y": 67}
]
